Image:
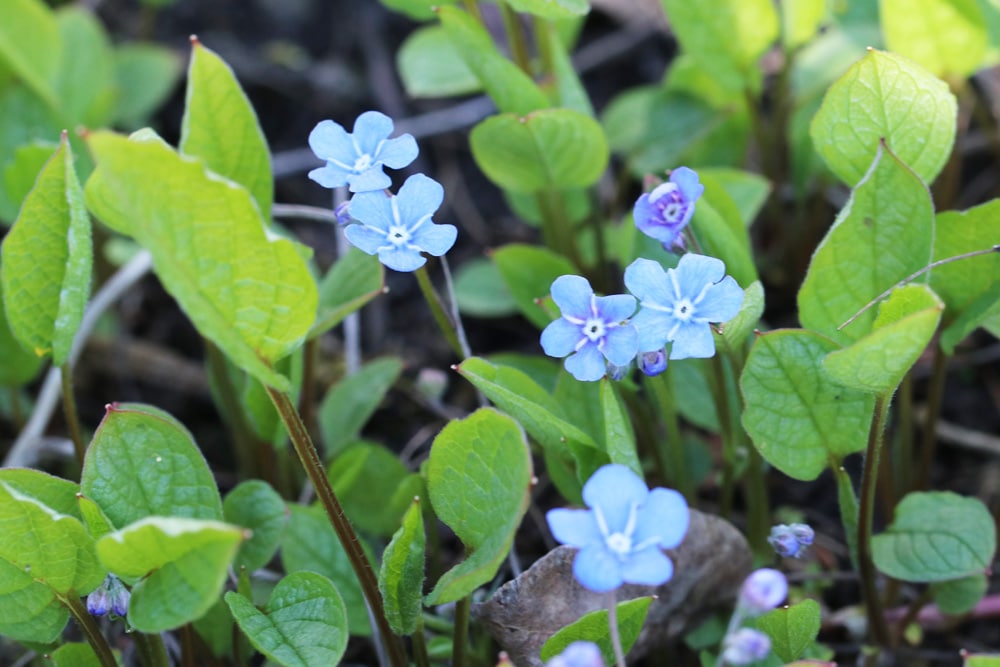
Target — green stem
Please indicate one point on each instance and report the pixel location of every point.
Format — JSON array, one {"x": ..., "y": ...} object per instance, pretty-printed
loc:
[
  {"x": 721, "y": 398},
  {"x": 307, "y": 395},
  {"x": 69, "y": 408},
  {"x": 935, "y": 396},
  {"x": 244, "y": 441},
  {"x": 515, "y": 37},
  {"x": 152, "y": 650},
  {"x": 616, "y": 640},
  {"x": 420, "y": 655},
  {"x": 313, "y": 467},
  {"x": 472, "y": 7},
  {"x": 878, "y": 632},
  {"x": 93, "y": 633},
  {"x": 758, "y": 505},
  {"x": 903, "y": 461},
  {"x": 437, "y": 310},
  {"x": 672, "y": 448},
  {"x": 556, "y": 229},
  {"x": 460, "y": 640},
  {"x": 16, "y": 409}
]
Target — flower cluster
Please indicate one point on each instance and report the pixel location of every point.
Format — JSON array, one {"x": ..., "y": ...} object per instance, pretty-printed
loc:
[
  {"x": 111, "y": 597},
  {"x": 676, "y": 306},
  {"x": 398, "y": 228},
  {"x": 622, "y": 534},
  {"x": 790, "y": 541}
]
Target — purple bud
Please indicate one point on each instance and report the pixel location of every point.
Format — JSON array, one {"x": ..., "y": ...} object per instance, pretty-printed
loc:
[
  {"x": 746, "y": 646},
  {"x": 803, "y": 533},
  {"x": 790, "y": 541},
  {"x": 652, "y": 363},
  {"x": 111, "y": 596},
  {"x": 98, "y": 603},
  {"x": 343, "y": 213},
  {"x": 763, "y": 591},
  {"x": 578, "y": 654}
]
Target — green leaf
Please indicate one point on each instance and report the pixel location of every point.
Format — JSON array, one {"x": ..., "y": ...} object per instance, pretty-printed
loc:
[
  {"x": 23, "y": 169},
  {"x": 179, "y": 565},
  {"x": 960, "y": 596},
  {"x": 948, "y": 37},
  {"x": 737, "y": 330},
  {"x": 75, "y": 654},
  {"x": 418, "y": 10},
  {"x": 429, "y": 65},
  {"x": 480, "y": 290},
  {"x": 146, "y": 75},
  {"x": 27, "y": 119},
  {"x": 725, "y": 37},
  {"x": 221, "y": 127},
  {"x": 303, "y": 624},
  {"x": 936, "y": 536},
  {"x": 350, "y": 403},
  {"x": 799, "y": 420},
  {"x": 142, "y": 462},
  {"x": 401, "y": 575},
  {"x": 47, "y": 260},
  {"x": 791, "y": 629},
  {"x": 374, "y": 487},
  {"x": 254, "y": 505},
  {"x": 619, "y": 436},
  {"x": 847, "y": 501},
  {"x": 800, "y": 21},
  {"x": 19, "y": 365},
  {"x": 882, "y": 235},
  {"x": 981, "y": 660},
  {"x": 252, "y": 296},
  {"x": 747, "y": 190},
  {"x": 552, "y": 148},
  {"x": 885, "y": 97},
  {"x": 724, "y": 238},
  {"x": 54, "y": 492},
  {"x": 97, "y": 522},
  {"x": 85, "y": 81},
  {"x": 593, "y": 627},
  {"x": 510, "y": 88},
  {"x": 961, "y": 282},
  {"x": 310, "y": 544},
  {"x": 692, "y": 393},
  {"x": 568, "y": 87},
  {"x": 905, "y": 325},
  {"x": 353, "y": 280},
  {"x": 528, "y": 272},
  {"x": 479, "y": 481},
  {"x": 30, "y": 45},
  {"x": 551, "y": 9},
  {"x": 978, "y": 313}
]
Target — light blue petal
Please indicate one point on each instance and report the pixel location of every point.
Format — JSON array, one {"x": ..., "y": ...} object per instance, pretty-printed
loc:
[
  {"x": 400, "y": 259},
  {"x": 371, "y": 128},
  {"x": 664, "y": 517},
  {"x": 597, "y": 569},
  {"x": 693, "y": 341},
  {"x": 653, "y": 327},
  {"x": 648, "y": 281},
  {"x": 647, "y": 567},
  {"x": 435, "y": 239},
  {"x": 420, "y": 196},
  {"x": 587, "y": 365},
  {"x": 330, "y": 141},
  {"x": 722, "y": 302},
  {"x": 621, "y": 345},
  {"x": 372, "y": 208},
  {"x": 560, "y": 338},
  {"x": 615, "y": 308},
  {"x": 399, "y": 152},
  {"x": 329, "y": 176},
  {"x": 365, "y": 238},
  {"x": 693, "y": 272},
  {"x": 687, "y": 181},
  {"x": 614, "y": 489},
  {"x": 370, "y": 180},
  {"x": 576, "y": 528},
  {"x": 572, "y": 294}
]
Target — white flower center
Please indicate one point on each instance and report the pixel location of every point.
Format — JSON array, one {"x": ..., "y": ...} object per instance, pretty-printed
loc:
[
  {"x": 620, "y": 543},
  {"x": 363, "y": 163},
  {"x": 398, "y": 235},
  {"x": 594, "y": 329},
  {"x": 684, "y": 310}
]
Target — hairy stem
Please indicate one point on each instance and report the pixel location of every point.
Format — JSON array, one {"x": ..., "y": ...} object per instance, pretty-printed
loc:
[
  {"x": 152, "y": 650},
  {"x": 90, "y": 630},
  {"x": 69, "y": 408},
  {"x": 616, "y": 640},
  {"x": 722, "y": 409},
  {"x": 460, "y": 640},
  {"x": 877, "y": 629}
]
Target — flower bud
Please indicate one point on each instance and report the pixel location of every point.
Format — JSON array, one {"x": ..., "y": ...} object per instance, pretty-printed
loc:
[
  {"x": 652, "y": 363},
  {"x": 746, "y": 646},
  {"x": 763, "y": 591},
  {"x": 110, "y": 597},
  {"x": 790, "y": 541}
]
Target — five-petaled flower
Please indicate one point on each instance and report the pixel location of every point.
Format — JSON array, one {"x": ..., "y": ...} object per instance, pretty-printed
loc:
[
  {"x": 664, "y": 212},
  {"x": 677, "y": 305},
  {"x": 356, "y": 159},
  {"x": 400, "y": 227},
  {"x": 591, "y": 329},
  {"x": 622, "y": 535}
]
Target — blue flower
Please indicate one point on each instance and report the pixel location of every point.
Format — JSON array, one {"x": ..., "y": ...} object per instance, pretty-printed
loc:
[
  {"x": 578, "y": 654},
  {"x": 591, "y": 329},
  {"x": 400, "y": 227},
  {"x": 652, "y": 363},
  {"x": 664, "y": 212},
  {"x": 746, "y": 646},
  {"x": 677, "y": 305},
  {"x": 763, "y": 591},
  {"x": 111, "y": 596},
  {"x": 622, "y": 535},
  {"x": 356, "y": 159},
  {"x": 790, "y": 541}
]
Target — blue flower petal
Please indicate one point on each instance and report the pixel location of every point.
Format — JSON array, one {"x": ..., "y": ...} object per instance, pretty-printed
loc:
[
  {"x": 329, "y": 176},
  {"x": 693, "y": 341},
  {"x": 435, "y": 239},
  {"x": 399, "y": 152},
  {"x": 597, "y": 569},
  {"x": 419, "y": 198},
  {"x": 374, "y": 209},
  {"x": 654, "y": 329},
  {"x": 693, "y": 272},
  {"x": 576, "y": 528},
  {"x": 665, "y": 516},
  {"x": 621, "y": 345},
  {"x": 687, "y": 181},
  {"x": 647, "y": 567},
  {"x": 615, "y": 308},
  {"x": 365, "y": 238},
  {"x": 331, "y": 142},
  {"x": 614, "y": 489},
  {"x": 572, "y": 294},
  {"x": 370, "y": 180},
  {"x": 722, "y": 301},
  {"x": 560, "y": 338},
  {"x": 587, "y": 365},
  {"x": 648, "y": 221},
  {"x": 370, "y": 129},
  {"x": 400, "y": 259},
  {"x": 648, "y": 281}
]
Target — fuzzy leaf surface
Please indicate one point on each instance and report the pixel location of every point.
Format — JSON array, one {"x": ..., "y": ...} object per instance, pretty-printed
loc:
[
  {"x": 593, "y": 627},
  {"x": 401, "y": 575},
  {"x": 791, "y": 629}
]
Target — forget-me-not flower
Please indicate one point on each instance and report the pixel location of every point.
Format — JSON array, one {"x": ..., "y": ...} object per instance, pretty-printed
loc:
[
  {"x": 763, "y": 591},
  {"x": 399, "y": 227},
  {"x": 622, "y": 535},
  {"x": 356, "y": 159},
  {"x": 591, "y": 329},
  {"x": 664, "y": 212},
  {"x": 578, "y": 654},
  {"x": 677, "y": 305},
  {"x": 790, "y": 541},
  {"x": 746, "y": 646},
  {"x": 110, "y": 597}
]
